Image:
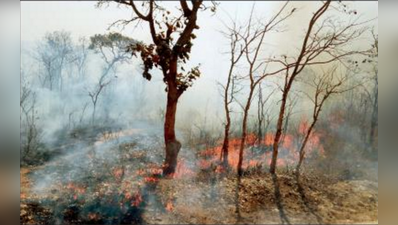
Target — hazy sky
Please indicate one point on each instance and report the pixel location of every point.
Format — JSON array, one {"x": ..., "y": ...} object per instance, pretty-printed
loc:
[{"x": 84, "y": 19}]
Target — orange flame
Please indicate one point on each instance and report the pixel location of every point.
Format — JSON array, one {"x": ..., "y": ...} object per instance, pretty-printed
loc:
[
  {"x": 289, "y": 148},
  {"x": 137, "y": 200},
  {"x": 169, "y": 206}
]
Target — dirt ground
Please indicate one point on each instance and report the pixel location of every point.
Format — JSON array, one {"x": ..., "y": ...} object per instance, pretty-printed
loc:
[{"x": 263, "y": 199}]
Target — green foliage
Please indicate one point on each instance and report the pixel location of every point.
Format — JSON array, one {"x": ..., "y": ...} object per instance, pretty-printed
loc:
[
  {"x": 110, "y": 40},
  {"x": 113, "y": 47}
]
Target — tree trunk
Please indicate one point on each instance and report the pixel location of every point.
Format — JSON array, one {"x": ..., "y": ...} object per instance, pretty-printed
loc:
[
  {"x": 244, "y": 132},
  {"x": 242, "y": 144},
  {"x": 373, "y": 124},
  {"x": 173, "y": 146},
  {"x": 93, "y": 113},
  {"x": 302, "y": 152},
  {"x": 241, "y": 149},
  {"x": 260, "y": 116},
  {"x": 225, "y": 146},
  {"x": 278, "y": 134}
]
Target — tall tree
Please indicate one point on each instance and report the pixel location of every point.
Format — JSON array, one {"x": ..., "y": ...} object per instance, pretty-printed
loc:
[
  {"x": 375, "y": 105},
  {"x": 328, "y": 84},
  {"x": 170, "y": 49},
  {"x": 230, "y": 88},
  {"x": 323, "y": 43},
  {"x": 251, "y": 40}
]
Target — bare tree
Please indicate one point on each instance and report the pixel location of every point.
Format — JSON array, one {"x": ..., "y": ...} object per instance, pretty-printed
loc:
[
  {"x": 30, "y": 134},
  {"x": 170, "y": 48},
  {"x": 375, "y": 108},
  {"x": 94, "y": 94},
  {"x": 252, "y": 41},
  {"x": 80, "y": 57},
  {"x": 322, "y": 44},
  {"x": 230, "y": 88},
  {"x": 53, "y": 54},
  {"x": 263, "y": 115},
  {"x": 330, "y": 83}
]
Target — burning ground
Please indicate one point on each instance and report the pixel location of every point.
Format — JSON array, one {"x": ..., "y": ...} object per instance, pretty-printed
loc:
[{"x": 114, "y": 177}]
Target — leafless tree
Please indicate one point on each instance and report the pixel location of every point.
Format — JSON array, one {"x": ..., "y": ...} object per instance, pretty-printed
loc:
[
  {"x": 324, "y": 42},
  {"x": 331, "y": 82},
  {"x": 94, "y": 94},
  {"x": 263, "y": 114},
  {"x": 53, "y": 53},
  {"x": 30, "y": 134},
  {"x": 251, "y": 39},
  {"x": 80, "y": 57},
  {"x": 375, "y": 108},
  {"x": 230, "y": 88}
]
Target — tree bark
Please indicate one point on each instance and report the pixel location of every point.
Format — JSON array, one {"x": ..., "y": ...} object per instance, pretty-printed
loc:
[
  {"x": 225, "y": 146},
  {"x": 173, "y": 146},
  {"x": 373, "y": 125},
  {"x": 244, "y": 132},
  {"x": 302, "y": 152},
  {"x": 278, "y": 134}
]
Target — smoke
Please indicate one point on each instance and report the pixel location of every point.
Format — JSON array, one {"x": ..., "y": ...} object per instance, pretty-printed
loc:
[{"x": 126, "y": 134}]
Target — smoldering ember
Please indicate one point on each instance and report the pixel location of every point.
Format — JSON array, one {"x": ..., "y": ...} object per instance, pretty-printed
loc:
[{"x": 199, "y": 112}]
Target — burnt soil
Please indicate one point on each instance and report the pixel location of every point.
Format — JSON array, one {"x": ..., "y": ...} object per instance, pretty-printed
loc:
[{"x": 211, "y": 199}]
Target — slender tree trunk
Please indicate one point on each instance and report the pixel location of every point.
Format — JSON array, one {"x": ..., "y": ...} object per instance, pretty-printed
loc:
[
  {"x": 93, "y": 114},
  {"x": 225, "y": 146},
  {"x": 244, "y": 132},
  {"x": 289, "y": 82},
  {"x": 241, "y": 149},
  {"x": 173, "y": 146},
  {"x": 278, "y": 133},
  {"x": 260, "y": 116},
  {"x": 302, "y": 152},
  {"x": 373, "y": 124},
  {"x": 242, "y": 142}
]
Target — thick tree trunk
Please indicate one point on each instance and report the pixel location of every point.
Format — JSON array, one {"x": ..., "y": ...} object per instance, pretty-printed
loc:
[
  {"x": 173, "y": 146},
  {"x": 278, "y": 134}
]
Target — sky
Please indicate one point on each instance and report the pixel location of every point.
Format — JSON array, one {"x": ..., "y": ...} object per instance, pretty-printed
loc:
[{"x": 82, "y": 18}]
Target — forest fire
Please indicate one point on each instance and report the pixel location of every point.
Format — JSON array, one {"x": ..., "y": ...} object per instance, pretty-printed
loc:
[
  {"x": 276, "y": 123},
  {"x": 259, "y": 150}
]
